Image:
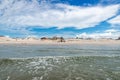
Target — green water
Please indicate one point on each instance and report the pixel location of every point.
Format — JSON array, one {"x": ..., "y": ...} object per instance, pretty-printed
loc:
[
  {"x": 59, "y": 62},
  {"x": 25, "y": 51},
  {"x": 61, "y": 68}
]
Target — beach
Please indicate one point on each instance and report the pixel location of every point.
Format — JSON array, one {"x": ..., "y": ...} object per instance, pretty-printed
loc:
[
  {"x": 101, "y": 42},
  {"x": 59, "y": 39},
  {"x": 74, "y": 59},
  {"x": 23, "y": 48},
  {"x": 5, "y": 40}
]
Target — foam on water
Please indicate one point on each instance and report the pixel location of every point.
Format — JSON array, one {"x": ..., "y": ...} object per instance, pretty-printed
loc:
[
  {"x": 59, "y": 62},
  {"x": 61, "y": 68}
]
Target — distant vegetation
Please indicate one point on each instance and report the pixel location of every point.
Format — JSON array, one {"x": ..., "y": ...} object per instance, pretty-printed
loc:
[
  {"x": 118, "y": 38},
  {"x": 58, "y": 39},
  {"x": 2, "y": 36}
]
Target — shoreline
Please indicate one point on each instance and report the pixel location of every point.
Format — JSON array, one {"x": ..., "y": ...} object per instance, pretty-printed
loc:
[{"x": 67, "y": 42}]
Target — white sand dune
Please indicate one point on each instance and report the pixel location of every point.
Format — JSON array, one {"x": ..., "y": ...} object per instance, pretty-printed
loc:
[{"x": 7, "y": 40}]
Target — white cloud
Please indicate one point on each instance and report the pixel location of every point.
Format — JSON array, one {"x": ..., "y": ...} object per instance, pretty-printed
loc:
[
  {"x": 115, "y": 20},
  {"x": 25, "y": 13},
  {"x": 111, "y": 33}
]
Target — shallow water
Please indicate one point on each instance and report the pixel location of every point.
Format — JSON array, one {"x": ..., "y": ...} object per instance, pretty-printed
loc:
[
  {"x": 23, "y": 51},
  {"x": 59, "y": 62},
  {"x": 61, "y": 68}
]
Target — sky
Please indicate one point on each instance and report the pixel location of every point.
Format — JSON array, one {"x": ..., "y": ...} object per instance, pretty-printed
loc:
[{"x": 67, "y": 18}]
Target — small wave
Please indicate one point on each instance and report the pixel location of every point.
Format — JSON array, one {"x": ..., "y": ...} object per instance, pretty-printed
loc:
[{"x": 60, "y": 68}]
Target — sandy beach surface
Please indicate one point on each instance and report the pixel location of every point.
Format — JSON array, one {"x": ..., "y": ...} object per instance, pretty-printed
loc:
[{"x": 67, "y": 41}]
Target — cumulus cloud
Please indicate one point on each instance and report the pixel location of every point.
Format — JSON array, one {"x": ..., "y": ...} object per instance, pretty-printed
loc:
[
  {"x": 26, "y": 13},
  {"x": 111, "y": 33},
  {"x": 115, "y": 21}
]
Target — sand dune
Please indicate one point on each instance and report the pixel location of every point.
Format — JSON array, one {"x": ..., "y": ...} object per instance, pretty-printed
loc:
[{"x": 7, "y": 40}]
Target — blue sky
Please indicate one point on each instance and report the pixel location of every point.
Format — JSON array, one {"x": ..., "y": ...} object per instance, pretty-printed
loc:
[{"x": 68, "y": 18}]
